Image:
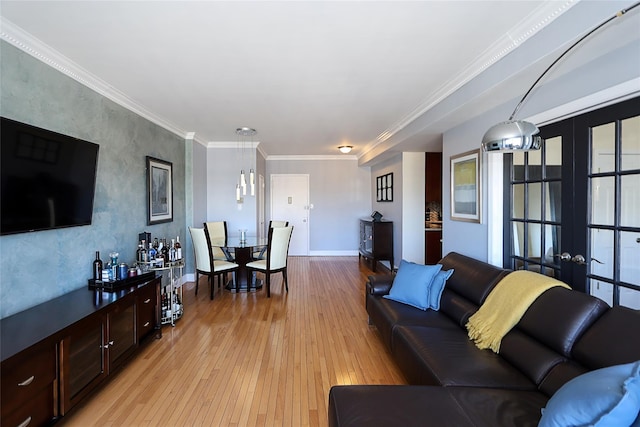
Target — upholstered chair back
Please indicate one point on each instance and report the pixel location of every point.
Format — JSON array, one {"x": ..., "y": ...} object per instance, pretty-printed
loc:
[
  {"x": 279, "y": 247},
  {"x": 200, "y": 249}
]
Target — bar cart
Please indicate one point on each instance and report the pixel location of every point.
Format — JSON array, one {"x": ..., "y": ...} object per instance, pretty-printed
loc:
[{"x": 171, "y": 306}]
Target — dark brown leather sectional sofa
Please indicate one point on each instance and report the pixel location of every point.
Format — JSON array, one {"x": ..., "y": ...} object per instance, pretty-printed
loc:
[{"x": 563, "y": 334}]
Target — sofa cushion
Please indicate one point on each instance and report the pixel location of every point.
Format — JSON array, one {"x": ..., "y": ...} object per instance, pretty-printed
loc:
[
  {"x": 607, "y": 341},
  {"x": 545, "y": 335},
  {"x": 424, "y": 406},
  {"x": 436, "y": 288},
  {"x": 393, "y": 405},
  {"x": 457, "y": 307},
  {"x": 560, "y": 316},
  {"x": 604, "y": 397},
  {"x": 437, "y": 356},
  {"x": 531, "y": 357},
  {"x": 472, "y": 279},
  {"x": 412, "y": 284},
  {"x": 385, "y": 314}
]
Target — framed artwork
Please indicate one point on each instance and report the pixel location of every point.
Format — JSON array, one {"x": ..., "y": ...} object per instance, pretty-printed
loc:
[
  {"x": 159, "y": 191},
  {"x": 384, "y": 188},
  {"x": 465, "y": 187}
]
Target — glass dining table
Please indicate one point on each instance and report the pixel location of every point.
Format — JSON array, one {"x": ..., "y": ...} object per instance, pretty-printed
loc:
[{"x": 242, "y": 251}]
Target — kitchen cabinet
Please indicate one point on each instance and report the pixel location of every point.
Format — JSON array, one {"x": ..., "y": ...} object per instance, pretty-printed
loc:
[{"x": 433, "y": 208}]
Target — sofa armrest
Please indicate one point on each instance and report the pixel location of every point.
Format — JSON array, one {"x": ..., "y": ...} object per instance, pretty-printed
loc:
[{"x": 379, "y": 284}]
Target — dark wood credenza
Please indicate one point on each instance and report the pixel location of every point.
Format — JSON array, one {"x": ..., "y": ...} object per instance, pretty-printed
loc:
[
  {"x": 56, "y": 353},
  {"x": 376, "y": 241}
]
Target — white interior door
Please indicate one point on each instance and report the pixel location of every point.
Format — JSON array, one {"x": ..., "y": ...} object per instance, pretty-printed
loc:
[{"x": 290, "y": 202}]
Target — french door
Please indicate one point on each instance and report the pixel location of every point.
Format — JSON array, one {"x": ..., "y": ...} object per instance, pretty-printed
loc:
[{"x": 573, "y": 208}]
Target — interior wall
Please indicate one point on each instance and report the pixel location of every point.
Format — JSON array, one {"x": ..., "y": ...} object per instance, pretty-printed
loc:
[
  {"x": 392, "y": 211},
  {"x": 340, "y": 193},
  {"x": 199, "y": 178},
  {"x": 223, "y": 174},
  {"x": 39, "y": 266},
  {"x": 413, "y": 207}
]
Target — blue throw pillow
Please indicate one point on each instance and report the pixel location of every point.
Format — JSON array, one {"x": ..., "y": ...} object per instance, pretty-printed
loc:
[
  {"x": 437, "y": 286},
  {"x": 604, "y": 397},
  {"x": 411, "y": 284}
]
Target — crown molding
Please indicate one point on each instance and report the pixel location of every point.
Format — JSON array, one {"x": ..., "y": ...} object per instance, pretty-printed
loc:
[
  {"x": 522, "y": 31},
  {"x": 233, "y": 144},
  {"x": 312, "y": 157},
  {"x": 33, "y": 46}
]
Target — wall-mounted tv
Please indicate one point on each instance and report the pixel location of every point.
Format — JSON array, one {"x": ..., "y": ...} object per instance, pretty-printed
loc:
[{"x": 47, "y": 179}]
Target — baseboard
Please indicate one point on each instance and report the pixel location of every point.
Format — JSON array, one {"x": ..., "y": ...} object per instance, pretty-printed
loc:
[{"x": 333, "y": 253}]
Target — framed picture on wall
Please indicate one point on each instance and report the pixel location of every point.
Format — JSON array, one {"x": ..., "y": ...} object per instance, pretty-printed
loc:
[
  {"x": 465, "y": 187},
  {"x": 159, "y": 191},
  {"x": 384, "y": 188}
]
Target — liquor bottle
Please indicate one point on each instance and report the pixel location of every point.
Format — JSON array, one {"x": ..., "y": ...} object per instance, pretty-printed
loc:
[
  {"x": 114, "y": 265},
  {"x": 165, "y": 251},
  {"x": 177, "y": 304},
  {"x": 172, "y": 251},
  {"x": 143, "y": 250},
  {"x": 178, "y": 248},
  {"x": 152, "y": 252},
  {"x": 110, "y": 276},
  {"x": 165, "y": 305},
  {"x": 139, "y": 253},
  {"x": 159, "y": 254},
  {"x": 97, "y": 267},
  {"x": 156, "y": 244}
]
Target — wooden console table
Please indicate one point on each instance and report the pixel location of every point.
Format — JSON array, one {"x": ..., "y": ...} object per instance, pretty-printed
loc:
[
  {"x": 376, "y": 241},
  {"x": 56, "y": 353}
]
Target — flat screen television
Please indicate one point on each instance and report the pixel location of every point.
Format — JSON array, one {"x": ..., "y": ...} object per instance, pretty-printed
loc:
[{"x": 47, "y": 179}]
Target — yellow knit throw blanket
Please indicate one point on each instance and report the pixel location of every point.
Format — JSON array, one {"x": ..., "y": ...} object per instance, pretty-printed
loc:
[{"x": 505, "y": 306}]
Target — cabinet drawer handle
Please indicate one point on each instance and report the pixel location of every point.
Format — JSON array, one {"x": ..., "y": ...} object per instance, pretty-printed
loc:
[
  {"x": 27, "y": 382},
  {"x": 147, "y": 301},
  {"x": 147, "y": 324},
  {"x": 25, "y": 423}
]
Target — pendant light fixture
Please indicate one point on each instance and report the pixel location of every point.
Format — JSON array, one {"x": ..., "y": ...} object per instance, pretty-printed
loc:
[
  {"x": 520, "y": 135},
  {"x": 245, "y": 135}
]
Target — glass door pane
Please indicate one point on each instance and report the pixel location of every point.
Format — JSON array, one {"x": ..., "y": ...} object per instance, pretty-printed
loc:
[
  {"x": 614, "y": 224},
  {"x": 587, "y": 206}
]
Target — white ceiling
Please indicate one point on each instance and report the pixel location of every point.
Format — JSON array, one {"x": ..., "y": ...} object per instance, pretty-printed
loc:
[{"x": 308, "y": 75}]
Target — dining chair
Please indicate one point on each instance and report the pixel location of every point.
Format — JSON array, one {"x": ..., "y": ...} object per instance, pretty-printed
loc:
[
  {"x": 218, "y": 234},
  {"x": 205, "y": 263},
  {"x": 272, "y": 224},
  {"x": 277, "y": 255}
]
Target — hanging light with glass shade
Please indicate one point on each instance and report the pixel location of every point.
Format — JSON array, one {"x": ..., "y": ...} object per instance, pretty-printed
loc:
[{"x": 244, "y": 133}]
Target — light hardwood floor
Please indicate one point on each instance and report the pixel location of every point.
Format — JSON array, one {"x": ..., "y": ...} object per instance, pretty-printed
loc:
[{"x": 245, "y": 360}]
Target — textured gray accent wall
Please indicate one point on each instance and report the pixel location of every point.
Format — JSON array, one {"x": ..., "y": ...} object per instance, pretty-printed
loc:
[{"x": 39, "y": 266}]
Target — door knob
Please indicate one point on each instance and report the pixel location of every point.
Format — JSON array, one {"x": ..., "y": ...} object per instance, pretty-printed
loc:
[
  {"x": 578, "y": 259},
  {"x": 564, "y": 256}
]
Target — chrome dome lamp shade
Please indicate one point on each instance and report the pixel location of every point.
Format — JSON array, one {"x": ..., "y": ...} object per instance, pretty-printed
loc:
[
  {"x": 519, "y": 135},
  {"x": 512, "y": 135}
]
